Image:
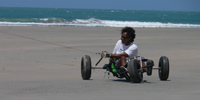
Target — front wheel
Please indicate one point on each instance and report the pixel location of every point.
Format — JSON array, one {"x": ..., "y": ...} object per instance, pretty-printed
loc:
[
  {"x": 86, "y": 67},
  {"x": 134, "y": 70},
  {"x": 163, "y": 71}
]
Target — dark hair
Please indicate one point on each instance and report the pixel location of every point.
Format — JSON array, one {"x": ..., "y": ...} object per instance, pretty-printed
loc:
[{"x": 130, "y": 32}]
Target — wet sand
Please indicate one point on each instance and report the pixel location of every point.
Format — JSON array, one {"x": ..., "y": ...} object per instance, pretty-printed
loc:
[{"x": 43, "y": 63}]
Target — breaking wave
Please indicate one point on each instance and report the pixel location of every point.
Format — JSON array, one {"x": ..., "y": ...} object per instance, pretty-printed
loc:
[{"x": 92, "y": 22}]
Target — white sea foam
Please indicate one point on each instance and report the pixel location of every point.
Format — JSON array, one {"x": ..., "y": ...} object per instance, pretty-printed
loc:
[{"x": 92, "y": 22}]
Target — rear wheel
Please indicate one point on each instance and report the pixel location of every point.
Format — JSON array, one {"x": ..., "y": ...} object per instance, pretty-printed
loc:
[
  {"x": 163, "y": 68},
  {"x": 134, "y": 70},
  {"x": 86, "y": 67},
  {"x": 150, "y": 65}
]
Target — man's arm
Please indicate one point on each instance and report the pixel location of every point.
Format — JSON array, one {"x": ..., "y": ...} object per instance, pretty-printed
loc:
[{"x": 119, "y": 55}]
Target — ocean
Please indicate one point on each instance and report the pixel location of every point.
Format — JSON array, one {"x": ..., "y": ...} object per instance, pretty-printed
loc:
[{"x": 19, "y": 16}]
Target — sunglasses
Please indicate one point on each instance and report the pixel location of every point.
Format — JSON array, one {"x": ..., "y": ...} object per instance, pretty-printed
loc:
[{"x": 125, "y": 37}]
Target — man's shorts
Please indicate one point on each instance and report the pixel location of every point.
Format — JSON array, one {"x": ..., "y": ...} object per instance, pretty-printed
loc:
[{"x": 115, "y": 64}]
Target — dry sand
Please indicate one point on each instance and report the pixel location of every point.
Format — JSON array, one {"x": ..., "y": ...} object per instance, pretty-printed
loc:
[{"x": 43, "y": 63}]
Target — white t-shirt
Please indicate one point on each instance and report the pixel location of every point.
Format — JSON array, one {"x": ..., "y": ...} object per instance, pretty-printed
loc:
[{"x": 131, "y": 49}]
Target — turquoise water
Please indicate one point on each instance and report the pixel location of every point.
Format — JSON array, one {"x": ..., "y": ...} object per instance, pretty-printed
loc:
[{"x": 97, "y": 17}]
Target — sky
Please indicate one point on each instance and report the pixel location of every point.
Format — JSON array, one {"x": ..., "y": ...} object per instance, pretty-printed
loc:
[{"x": 166, "y": 5}]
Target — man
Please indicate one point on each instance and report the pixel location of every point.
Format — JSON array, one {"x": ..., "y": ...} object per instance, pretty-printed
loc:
[{"x": 124, "y": 48}]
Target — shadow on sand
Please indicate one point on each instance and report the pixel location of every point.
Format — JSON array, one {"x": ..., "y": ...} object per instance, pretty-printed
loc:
[{"x": 130, "y": 81}]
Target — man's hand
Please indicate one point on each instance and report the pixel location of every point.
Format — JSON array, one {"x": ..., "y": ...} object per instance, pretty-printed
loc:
[
  {"x": 105, "y": 54},
  {"x": 112, "y": 60}
]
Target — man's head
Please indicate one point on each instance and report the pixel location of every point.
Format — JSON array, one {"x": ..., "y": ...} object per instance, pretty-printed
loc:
[{"x": 127, "y": 35}]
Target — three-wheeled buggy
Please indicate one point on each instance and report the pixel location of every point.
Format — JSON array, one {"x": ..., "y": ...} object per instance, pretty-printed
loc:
[{"x": 135, "y": 68}]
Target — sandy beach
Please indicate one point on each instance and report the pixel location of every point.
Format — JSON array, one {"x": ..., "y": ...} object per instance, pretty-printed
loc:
[{"x": 43, "y": 63}]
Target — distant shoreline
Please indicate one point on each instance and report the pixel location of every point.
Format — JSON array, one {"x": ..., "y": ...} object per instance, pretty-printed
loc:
[{"x": 95, "y": 9}]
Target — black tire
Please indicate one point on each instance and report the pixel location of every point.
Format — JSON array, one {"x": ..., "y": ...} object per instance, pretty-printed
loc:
[
  {"x": 86, "y": 67},
  {"x": 150, "y": 65},
  {"x": 134, "y": 71},
  {"x": 163, "y": 71}
]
